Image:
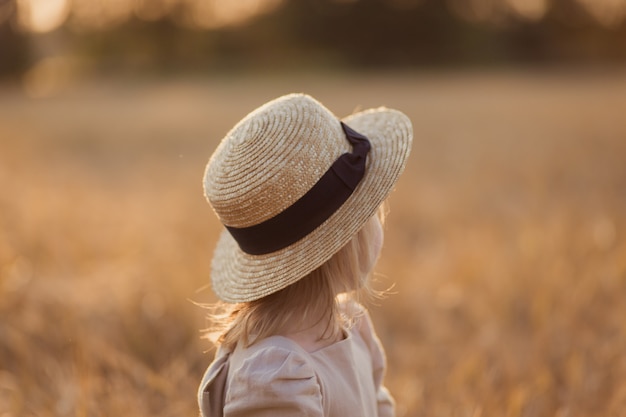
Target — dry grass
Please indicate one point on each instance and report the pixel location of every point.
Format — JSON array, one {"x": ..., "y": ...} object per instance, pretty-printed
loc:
[{"x": 506, "y": 241}]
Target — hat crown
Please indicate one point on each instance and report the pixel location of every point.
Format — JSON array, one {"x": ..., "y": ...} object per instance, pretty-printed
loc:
[{"x": 271, "y": 158}]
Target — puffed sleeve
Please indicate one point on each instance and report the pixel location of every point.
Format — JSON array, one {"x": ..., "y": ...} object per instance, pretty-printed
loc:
[
  {"x": 273, "y": 381},
  {"x": 385, "y": 402}
]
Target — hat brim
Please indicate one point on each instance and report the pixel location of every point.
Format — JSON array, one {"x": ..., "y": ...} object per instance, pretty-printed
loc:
[{"x": 240, "y": 277}]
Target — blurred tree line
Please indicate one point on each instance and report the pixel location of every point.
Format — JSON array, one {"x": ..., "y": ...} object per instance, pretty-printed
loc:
[{"x": 326, "y": 34}]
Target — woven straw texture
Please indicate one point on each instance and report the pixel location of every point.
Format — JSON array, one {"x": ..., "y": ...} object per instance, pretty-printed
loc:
[{"x": 269, "y": 160}]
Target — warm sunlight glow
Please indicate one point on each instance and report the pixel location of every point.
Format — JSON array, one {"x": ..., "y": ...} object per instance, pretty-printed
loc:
[
  {"x": 607, "y": 12},
  {"x": 153, "y": 9},
  {"x": 46, "y": 15},
  {"x": 211, "y": 14},
  {"x": 100, "y": 14},
  {"x": 42, "y": 15},
  {"x": 529, "y": 9}
]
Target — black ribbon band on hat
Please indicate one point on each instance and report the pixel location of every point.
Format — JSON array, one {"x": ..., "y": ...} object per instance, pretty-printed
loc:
[{"x": 313, "y": 208}]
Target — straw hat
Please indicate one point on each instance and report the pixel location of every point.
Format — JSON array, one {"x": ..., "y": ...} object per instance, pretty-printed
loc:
[{"x": 275, "y": 157}]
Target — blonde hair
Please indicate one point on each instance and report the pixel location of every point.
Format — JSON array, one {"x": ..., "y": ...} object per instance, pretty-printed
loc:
[{"x": 312, "y": 298}]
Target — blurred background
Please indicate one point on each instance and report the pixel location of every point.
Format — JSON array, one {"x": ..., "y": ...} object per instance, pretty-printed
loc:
[
  {"x": 505, "y": 241},
  {"x": 47, "y": 42}
]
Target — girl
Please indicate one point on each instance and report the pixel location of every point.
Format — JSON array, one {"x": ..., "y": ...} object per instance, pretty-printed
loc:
[{"x": 299, "y": 193}]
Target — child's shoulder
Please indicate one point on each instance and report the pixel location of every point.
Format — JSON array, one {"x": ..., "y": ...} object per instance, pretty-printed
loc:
[
  {"x": 271, "y": 375},
  {"x": 272, "y": 358}
]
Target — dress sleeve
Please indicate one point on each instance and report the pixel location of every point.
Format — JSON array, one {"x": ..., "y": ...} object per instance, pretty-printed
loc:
[
  {"x": 273, "y": 382},
  {"x": 385, "y": 402}
]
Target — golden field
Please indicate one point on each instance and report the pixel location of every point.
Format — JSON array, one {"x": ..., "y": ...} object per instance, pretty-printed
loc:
[{"x": 505, "y": 241}]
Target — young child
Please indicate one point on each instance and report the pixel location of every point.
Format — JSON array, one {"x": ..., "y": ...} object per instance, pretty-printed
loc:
[{"x": 299, "y": 193}]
